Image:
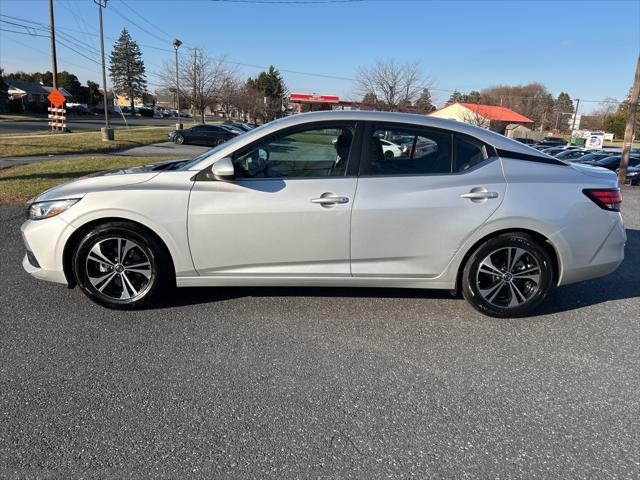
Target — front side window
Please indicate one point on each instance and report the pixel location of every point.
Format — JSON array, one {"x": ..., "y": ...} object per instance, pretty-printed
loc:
[
  {"x": 400, "y": 151},
  {"x": 312, "y": 152}
]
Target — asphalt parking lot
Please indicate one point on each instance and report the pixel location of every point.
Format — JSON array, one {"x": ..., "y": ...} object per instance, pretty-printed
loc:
[{"x": 324, "y": 383}]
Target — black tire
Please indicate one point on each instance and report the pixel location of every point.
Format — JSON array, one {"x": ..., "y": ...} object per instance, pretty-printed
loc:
[
  {"x": 122, "y": 272},
  {"x": 219, "y": 141},
  {"x": 178, "y": 139},
  {"x": 388, "y": 155},
  {"x": 495, "y": 289}
]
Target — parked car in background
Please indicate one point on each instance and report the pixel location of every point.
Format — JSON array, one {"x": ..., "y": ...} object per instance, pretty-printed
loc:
[
  {"x": 391, "y": 149},
  {"x": 209, "y": 135},
  {"x": 283, "y": 206},
  {"x": 552, "y": 141},
  {"x": 633, "y": 175},
  {"x": 591, "y": 157},
  {"x": 571, "y": 154},
  {"x": 613, "y": 162},
  {"x": 526, "y": 141},
  {"x": 232, "y": 129},
  {"x": 237, "y": 125},
  {"x": 553, "y": 150}
]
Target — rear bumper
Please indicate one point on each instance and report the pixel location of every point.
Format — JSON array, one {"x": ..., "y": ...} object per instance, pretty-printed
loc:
[{"x": 607, "y": 258}]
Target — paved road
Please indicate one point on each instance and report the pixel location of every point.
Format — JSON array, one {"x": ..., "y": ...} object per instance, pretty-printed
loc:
[
  {"x": 326, "y": 383},
  {"x": 92, "y": 122},
  {"x": 82, "y": 123}
]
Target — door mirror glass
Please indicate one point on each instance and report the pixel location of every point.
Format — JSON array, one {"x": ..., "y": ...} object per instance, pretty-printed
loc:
[
  {"x": 223, "y": 170},
  {"x": 263, "y": 155}
]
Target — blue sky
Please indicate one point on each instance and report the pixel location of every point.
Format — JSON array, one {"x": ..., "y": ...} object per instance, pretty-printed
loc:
[{"x": 586, "y": 48}]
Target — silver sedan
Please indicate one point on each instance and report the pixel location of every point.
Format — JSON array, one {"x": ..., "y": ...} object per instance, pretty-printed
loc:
[{"x": 314, "y": 200}]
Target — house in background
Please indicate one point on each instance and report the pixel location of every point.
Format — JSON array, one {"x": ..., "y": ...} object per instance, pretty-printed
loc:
[
  {"x": 31, "y": 97},
  {"x": 516, "y": 130},
  {"x": 491, "y": 117}
]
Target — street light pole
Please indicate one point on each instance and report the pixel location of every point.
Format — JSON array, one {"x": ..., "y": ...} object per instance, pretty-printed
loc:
[
  {"x": 107, "y": 133},
  {"x": 176, "y": 45}
]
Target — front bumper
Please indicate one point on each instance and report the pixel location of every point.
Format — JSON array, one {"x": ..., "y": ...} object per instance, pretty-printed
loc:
[{"x": 44, "y": 241}]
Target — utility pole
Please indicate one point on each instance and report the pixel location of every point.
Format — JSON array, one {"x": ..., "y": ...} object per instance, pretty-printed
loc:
[
  {"x": 54, "y": 60},
  {"x": 575, "y": 115},
  {"x": 631, "y": 124},
  {"x": 107, "y": 133},
  {"x": 176, "y": 45},
  {"x": 193, "y": 82}
]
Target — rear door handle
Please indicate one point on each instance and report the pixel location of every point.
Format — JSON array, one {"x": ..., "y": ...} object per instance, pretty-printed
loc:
[
  {"x": 330, "y": 200},
  {"x": 479, "y": 194}
]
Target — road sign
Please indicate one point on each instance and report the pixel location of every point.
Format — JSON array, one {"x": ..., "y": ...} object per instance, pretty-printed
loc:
[{"x": 57, "y": 98}]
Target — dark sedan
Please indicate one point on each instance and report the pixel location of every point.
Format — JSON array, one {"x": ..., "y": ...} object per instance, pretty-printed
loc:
[
  {"x": 633, "y": 175},
  {"x": 591, "y": 157},
  {"x": 209, "y": 135},
  {"x": 553, "y": 141},
  {"x": 613, "y": 162},
  {"x": 571, "y": 154}
]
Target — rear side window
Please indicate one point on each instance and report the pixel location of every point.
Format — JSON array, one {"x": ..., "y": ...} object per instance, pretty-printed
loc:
[
  {"x": 396, "y": 150},
  {"x": 468, "y": 153}
]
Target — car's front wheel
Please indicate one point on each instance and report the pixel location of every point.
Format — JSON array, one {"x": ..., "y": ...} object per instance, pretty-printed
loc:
[
  {"x": 119, "y": 265},
  {"x": 507, "y": 276},
  {"x": 178, "y": 139}
]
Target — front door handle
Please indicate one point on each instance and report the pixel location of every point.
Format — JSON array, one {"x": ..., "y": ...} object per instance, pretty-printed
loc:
[
  {"x": 479, "y": 194},
  {"x": 328, "y": 199}
]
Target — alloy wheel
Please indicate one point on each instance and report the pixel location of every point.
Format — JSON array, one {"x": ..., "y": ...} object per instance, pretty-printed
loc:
[
  {"x": 119, "y": 269},
  {"x": 508, "y": 277}
]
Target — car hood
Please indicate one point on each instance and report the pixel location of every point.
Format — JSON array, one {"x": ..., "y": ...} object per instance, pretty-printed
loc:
[{"x": 106, "y": 180}]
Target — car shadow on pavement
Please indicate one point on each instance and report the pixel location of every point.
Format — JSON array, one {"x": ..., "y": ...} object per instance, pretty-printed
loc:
[{"x": 624, "y": 283}]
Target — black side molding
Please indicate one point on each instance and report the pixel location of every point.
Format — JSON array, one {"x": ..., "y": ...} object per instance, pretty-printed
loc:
[{"x": 531, "y": 158}]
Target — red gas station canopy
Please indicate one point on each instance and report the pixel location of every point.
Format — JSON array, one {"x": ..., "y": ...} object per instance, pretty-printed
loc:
[{"x": 313, "y": 98}]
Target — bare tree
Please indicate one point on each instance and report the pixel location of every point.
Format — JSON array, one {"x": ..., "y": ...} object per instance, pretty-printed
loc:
[
  {"x": 202, "y": 79},
  {"x": 229, "y": 98},
  {"x": 395, "y": 85}
]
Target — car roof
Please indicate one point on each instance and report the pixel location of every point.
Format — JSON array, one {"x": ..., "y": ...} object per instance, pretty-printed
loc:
[
  {"x": 492, "y": 138},
  {"x": 496, "y": 140}
]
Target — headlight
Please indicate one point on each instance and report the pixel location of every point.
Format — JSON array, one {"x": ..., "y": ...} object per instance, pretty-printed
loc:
[{"x": 40, "y": 210}]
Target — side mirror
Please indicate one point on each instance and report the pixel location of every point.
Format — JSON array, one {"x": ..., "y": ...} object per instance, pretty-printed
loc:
[
  {"x": 223, "y": 170},
  {"x": 263, "y": 155}
]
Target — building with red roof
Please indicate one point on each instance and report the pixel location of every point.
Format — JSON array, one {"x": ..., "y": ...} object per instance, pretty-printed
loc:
[{"x": 492, "y": 117}]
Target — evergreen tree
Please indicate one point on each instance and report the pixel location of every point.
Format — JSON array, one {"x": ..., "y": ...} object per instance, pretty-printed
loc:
[
  {"x": 471, "y": 97},
  {"x": 272, "y": 86},
  {"x": 94, "y": 96},
  {"x": 455, "y": 97},
  {"x": 563, "y": 103},
  {"x": 424, "y": 103},
  {"x": 126, "y": 68},
  {"x": 4, "y": 93}
]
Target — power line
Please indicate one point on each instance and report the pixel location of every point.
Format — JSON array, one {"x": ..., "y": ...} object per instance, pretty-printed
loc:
[
  {"x": 92, "y": 50},
  {"x": 123, "y": 2},
  {"x": 117, "y": 12}
]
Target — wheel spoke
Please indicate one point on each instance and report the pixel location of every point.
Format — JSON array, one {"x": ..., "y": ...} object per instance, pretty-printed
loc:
[
  {"x": 127, "y": 283},
  {"x": 97, "y": 256},
  {"x": 146, "y": 273},
  {"x": 492, "y": 292},
  {"x": 516, "y": 296},
  {"x": 487, "y": 266},
  {"x": 516, "y": 257},
  {"x": 128, "y": 245},
  {"x": 138, "y": 265},
  {"x": 107, "y": 282}
]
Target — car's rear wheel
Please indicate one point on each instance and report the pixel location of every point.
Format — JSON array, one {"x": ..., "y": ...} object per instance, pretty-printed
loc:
[
  {"x": 218, "y": 141},
  {"x": 178, "y": 139},
  {"x": 121, "y": 266},
  {"x": 507, "y": 276}
]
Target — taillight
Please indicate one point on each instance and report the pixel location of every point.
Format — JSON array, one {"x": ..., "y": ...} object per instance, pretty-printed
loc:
[{"x": 605, "y": 198}]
